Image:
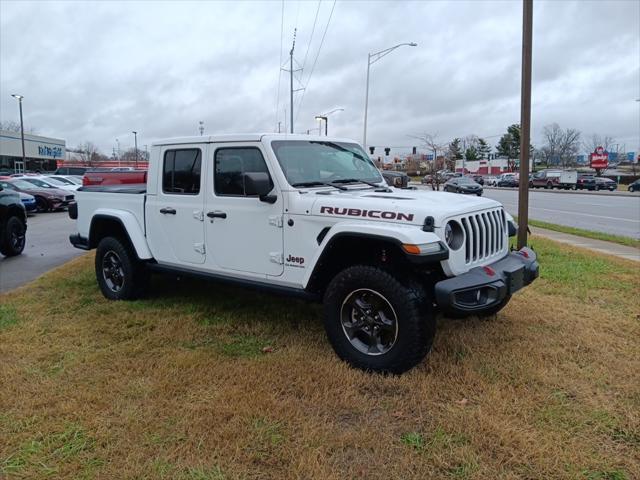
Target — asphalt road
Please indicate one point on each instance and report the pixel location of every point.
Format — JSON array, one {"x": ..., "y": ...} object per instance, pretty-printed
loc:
[
  {"x": 619, "y": 215},
  {"x": 47, "y": 247}
]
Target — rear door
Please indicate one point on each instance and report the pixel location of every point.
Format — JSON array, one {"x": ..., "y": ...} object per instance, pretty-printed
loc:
[
  {"x": 243, "y": 233},
  {"x": 174, "y": 215}
]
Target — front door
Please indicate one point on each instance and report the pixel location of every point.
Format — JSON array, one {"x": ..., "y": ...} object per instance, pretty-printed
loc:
[
  {"x": 242, "y": 233},
  {"x": 174, "y": 215}
]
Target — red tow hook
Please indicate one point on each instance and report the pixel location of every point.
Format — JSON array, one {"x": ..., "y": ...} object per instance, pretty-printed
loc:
[{"x": 489, "y": 271}]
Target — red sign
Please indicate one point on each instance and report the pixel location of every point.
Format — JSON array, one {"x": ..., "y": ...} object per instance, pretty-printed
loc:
[{"x": 599, "y": 158}]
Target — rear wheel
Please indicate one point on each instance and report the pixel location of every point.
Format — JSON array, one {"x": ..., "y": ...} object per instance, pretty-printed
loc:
[
  {"x": 120, "y": 275},
  {"x": 376, "y": 323},
  {"x": 13, "y": 237}
]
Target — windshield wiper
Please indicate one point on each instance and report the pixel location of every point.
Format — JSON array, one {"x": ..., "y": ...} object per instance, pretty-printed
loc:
[
  {"x": 318, "y": 184},
  {"x": 357, "y": 180}
]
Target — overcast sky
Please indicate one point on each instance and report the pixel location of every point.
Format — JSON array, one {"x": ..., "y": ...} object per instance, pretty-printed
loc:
[{"x": 98, "y": 70}]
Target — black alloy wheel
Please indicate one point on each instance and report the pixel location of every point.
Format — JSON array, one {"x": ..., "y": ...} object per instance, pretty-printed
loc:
[
  {"x": 369, "y": 322},
  {"x": 113, "y": 271}
]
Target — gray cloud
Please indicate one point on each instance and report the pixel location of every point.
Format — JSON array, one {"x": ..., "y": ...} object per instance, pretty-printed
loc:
[{"x": 95, "y": 71}]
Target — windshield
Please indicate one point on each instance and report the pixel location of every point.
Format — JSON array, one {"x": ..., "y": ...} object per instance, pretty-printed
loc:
[
  {"x": 39, "y": 183},
  {"x": 20, "y": 184},
  {"x": 465, "y": 180},
  {"x": 60, "y": 181},
  {"x": 305, "y": 162}
]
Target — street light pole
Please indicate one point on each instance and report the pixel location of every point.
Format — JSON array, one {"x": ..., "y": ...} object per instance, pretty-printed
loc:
[
  {"x": 371, "y": 59},
  {"x": 135, "y": 136},
  {"x": 19, "y": 98},
  {"x": 325, "y": 117}
]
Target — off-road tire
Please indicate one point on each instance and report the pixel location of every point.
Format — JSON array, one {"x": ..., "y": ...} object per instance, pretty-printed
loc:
[
  {"x": 13, "y": 237},
  {"x": 134, "y": 275},
  {"x": 416, "y": 322}
]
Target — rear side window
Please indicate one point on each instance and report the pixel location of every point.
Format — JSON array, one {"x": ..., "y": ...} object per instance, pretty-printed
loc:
[
  {"x": 181, "y": 171},
  {"x": 231, "y": 164}
]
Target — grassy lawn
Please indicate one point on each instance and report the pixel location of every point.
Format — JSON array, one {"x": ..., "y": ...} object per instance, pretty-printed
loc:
[
  {"x": 608, "y": 237},
  {"x": 178, "y": 386}
]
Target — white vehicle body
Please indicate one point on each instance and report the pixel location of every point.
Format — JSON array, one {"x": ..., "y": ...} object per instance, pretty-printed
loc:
[
  {"x": 260, "y": 230},
  {"x": 286, "y": 237}
]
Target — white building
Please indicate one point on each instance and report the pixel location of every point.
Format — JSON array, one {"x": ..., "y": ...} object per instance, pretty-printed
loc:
[{"x": 41, "y": 153}]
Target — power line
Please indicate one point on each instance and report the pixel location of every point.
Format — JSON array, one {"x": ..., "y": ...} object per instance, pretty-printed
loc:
[
  {"x": 315, "y": 20},
  {"x": 280, "y": 66},
  {"x": 317, "y": 55}
]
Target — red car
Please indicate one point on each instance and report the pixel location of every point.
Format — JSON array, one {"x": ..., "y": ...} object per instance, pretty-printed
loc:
[{"x": 47, "y": 199}]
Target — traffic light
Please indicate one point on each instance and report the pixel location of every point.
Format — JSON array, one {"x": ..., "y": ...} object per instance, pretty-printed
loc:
[
  {"x": 372, "y": 149},
  {"x": 386, "y": 151}
]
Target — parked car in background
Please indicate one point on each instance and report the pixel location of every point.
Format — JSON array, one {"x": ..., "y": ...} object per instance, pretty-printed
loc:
[
  {"x": 604, "y": 183},
  {"x": 507, "y": 180},
  {"x": 561, "y": 179},
  {"x": 427, "y": 179},
  {"x": 396, "y": 179},
  {"x": 491, "y": 181},
  {"x": 67, "y": 179},
  {"x": 585, "y": 180},
  {"x": 71, "y": 171},
  {"x": 635, "y": 186},
  {"x": 13, "y": 223},
  {"x": 29, "y": 201},
  {"x": 46, "y": 182},
  {"x": 47, "y": 199},
  {"x": 109, "y": 177},
  {"x": 479, "y": 179},
  {"x": 463, "y": 185}
]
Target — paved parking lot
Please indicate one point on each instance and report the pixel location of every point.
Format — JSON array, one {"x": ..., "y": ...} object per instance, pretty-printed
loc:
[{"x": 47, "y": 247}]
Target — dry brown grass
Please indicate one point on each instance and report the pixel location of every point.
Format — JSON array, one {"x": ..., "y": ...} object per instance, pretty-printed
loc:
[{"x": 177, "y": 386}]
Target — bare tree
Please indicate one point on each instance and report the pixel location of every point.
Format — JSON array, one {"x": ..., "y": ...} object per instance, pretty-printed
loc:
[
  {"x": 88, "y": 152},
  {"x": 594, "y": 141},
  {"x": 10, "y": 126},
  {"x": 431, "y": 143},
  {"x": 560, "y": 144}
]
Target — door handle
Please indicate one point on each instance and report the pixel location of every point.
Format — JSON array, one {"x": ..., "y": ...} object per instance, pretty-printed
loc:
[
  {"x": 168, "y": 210},
  {"x": 216, "y": 214}
]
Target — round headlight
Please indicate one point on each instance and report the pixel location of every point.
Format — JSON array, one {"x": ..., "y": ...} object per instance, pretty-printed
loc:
[{"x": 453, "y": 235}]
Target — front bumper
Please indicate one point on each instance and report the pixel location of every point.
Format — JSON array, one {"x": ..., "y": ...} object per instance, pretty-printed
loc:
[{"x": 482, "y": 288}]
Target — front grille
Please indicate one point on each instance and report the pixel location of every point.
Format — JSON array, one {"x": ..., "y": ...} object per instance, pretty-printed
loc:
[
  {"x": 68, "y": 198},
  {"x": 485, "y": 235}
]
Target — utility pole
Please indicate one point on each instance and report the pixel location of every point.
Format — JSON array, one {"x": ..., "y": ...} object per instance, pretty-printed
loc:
[
  {"x": 24, "y": 160},
  {"x": 525, "y": 122},
  {"x": 135, "y": 135},
  {"x": 293, "y": 46},
  {"x": 279, "y": 127}
]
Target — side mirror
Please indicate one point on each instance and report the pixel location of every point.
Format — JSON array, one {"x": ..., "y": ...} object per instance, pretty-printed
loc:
[{"x": 258, "y": 184}]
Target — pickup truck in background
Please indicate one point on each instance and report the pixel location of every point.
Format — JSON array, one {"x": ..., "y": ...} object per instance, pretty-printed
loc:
[
  {"x": 309, "y": 217},
  {"x": 560, "y": 179},
  {"x": 114, "y": 177}
]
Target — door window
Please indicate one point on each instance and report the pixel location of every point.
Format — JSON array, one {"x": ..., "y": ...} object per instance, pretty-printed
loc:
[
  {"x": 230, "y": 166},
  {"x": 181, "y": 171}
]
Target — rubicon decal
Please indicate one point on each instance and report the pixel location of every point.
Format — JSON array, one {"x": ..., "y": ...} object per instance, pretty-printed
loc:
[{"x": 357, "y": 212}]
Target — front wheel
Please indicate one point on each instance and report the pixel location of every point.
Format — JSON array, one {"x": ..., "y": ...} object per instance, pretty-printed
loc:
[
  {"x": 13, "y": 237},
  {"x": 376, "y": 323},
  {"x": 42, "y": 205},
  {"x": 120, "y": 275}
]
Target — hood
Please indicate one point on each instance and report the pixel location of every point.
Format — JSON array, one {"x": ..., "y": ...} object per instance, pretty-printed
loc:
[
  {"x": 399, "y": 206},
  {"x": 26, "y": 196}
]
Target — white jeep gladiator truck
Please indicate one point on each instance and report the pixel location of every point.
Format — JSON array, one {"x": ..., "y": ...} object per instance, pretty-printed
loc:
[{"x": 311, "y": 217}]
